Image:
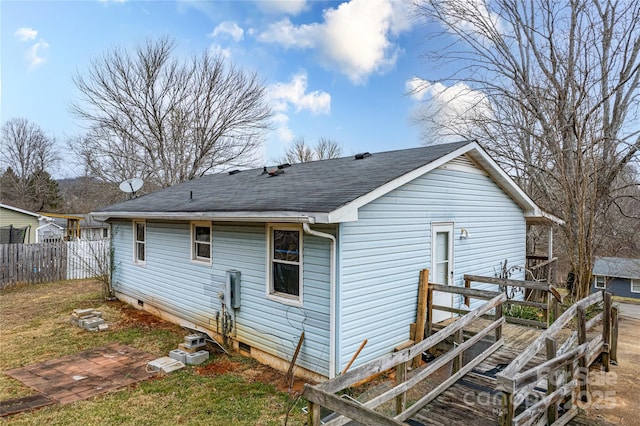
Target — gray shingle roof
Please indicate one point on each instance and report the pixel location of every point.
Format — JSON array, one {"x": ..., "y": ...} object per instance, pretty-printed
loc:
[
  {"x": 319, "y": 186},
  {"x": 617, "y": 267}
]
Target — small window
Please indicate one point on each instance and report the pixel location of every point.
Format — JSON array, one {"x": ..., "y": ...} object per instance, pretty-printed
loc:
[
  {"x": 139, "y": 242},
  {"x": 105, "y": 233},
  {"x": 201, "y": 241},
  {"x": 635, "y": 286},
  {"x": 600, "y": 281},
  {"x": 285, "y": 263}
]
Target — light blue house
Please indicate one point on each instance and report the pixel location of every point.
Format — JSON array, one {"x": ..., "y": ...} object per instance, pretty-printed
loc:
[{"x": 330, "y": 248}]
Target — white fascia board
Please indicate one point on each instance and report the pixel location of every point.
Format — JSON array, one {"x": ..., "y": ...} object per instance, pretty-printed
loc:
[
  {"x": 349, "y": 212},
  {"x": 276, "y": 217}
]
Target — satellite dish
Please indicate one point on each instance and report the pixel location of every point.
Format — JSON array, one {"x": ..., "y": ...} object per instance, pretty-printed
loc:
[{"x": 131, "y": 186}]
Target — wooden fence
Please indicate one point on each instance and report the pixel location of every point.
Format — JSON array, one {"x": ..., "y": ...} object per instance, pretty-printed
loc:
[{"x": 53, "y": 261}]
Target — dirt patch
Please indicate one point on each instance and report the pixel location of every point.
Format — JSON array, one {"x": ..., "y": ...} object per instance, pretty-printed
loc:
[
  {"x": 220, "y": 366},
  {"x": 251, "y": 372},
  {"x": 614, "y": 397},
  {"x": 141, "y": 319}
]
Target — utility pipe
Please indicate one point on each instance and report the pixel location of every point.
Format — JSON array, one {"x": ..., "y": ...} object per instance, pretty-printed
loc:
[{"x": 332, "y": 297}]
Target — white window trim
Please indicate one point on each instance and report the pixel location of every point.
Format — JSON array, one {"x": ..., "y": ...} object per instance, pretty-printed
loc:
[
  {"x": 631, "y": 284},
  {"x": 135, "y": 242},
  {"x": 284, "y": 298},
  {"x": 192, "y": 230},
  {"x": 595, "y": 282}
]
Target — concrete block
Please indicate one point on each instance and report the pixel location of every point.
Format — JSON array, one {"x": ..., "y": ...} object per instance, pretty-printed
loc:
[
  {"x": 164, "y": 365},
  {"x": 103, "y": 327},
  {"x": 82, "y": 312},
  {"x": 197, "y": 357},
  {"x": 179, "y": 355},
  {"x": 92, "y": 323},
  {"x": 97, "y": 314},
  {"x": 194, "y": 340},
  {"x": 189, "y": 349}
]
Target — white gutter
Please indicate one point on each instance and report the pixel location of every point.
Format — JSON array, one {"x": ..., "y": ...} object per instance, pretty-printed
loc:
[
  {"x": 332, "y": 297},
  {"x": 281, "y": 217}
]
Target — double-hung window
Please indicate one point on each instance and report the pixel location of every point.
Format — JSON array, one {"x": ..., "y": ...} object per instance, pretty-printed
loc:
[
  {"x": 139, "y": 242},
  {"x": 201, "y": 242},
  {"x": 599, "y": 281},
  {"x": 635, "y": 286},
  {"x": 285, "y": 263}
]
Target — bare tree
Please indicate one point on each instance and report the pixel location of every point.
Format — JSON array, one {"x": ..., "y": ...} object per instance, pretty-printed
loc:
[
  {"x": 300, "y": 152},
  {"x": 27, "y": 153},
  {"x": 559, "y": 84},
  {"x": 165, "y": 120}
]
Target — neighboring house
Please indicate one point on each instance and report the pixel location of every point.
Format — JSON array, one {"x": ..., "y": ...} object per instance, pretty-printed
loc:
[
  {"x": 82, "y": 226},
  {"x": 22, "y": 226},
  {"x": 330, "y": 248},
  {"x": 619, "y": 276}
]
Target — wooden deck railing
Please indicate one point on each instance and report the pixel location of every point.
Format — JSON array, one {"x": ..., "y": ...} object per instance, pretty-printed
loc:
[
  {"x": 541, "y": 268},
  {"x": 566, "y": 368},
  {"x": 325, "y": 394},
  {"x": 549, "y": 308}
]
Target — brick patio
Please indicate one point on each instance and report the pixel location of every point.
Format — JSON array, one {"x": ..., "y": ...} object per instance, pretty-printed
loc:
[{"x": 85, "y": 374}]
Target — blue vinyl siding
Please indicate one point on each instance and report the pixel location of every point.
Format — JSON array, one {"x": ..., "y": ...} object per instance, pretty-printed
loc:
[
  {"x": 172, "y": 282},
  {"x": 618, "y": 287},
  {"x": 382, "y": 253},
  {"x": 169, "y": 280}
]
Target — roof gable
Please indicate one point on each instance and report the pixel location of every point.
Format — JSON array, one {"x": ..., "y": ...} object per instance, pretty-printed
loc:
[{"x": 327, "y": 191}]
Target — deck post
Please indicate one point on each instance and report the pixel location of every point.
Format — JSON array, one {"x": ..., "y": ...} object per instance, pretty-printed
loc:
[
  {"x": 429, "y": 310},
  {"x": 313, "y": 414},
  {"x": 583, "y": 376},
  {"x": 606, "y": 330},
  {"x": 423, "y": 285},
  {"x": 457, "y": 361},
  {"x": 401, "y": 376},
  {"x": 552, "y": 385},
  {"x": 498, "y": 315},
  {"x": 613, "y": 350},
  {"x": 506, "y": 417},
  {"x": 467, "y": 284}
]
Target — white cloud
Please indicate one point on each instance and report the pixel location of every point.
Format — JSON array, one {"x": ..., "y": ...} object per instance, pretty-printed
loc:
[
  {"x": 284, "y": 133},
  {"x": 217, "y": 50},
  {"x": 228, "y": 28},
  {"x": 26, "y": 34},
  {"x": 354, "y": 38},
  {"x": 113, "y": 1},
  {"x": 35, "y": 54},
  {"x": 294, "y": 94},
  {"x": 289, "y": 7},
  {"x": 447, "y": 112}
]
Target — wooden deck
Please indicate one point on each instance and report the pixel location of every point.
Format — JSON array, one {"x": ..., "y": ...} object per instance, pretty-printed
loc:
[
  {"x": 493, "y": 372},
  {"x": 474, "y": 395}
]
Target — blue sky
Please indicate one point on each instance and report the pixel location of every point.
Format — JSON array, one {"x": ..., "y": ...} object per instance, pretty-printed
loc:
[{"x": 339, "y": 70}]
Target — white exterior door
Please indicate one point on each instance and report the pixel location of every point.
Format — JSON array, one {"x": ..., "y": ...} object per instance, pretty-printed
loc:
[{"x": 442, "y": 266}]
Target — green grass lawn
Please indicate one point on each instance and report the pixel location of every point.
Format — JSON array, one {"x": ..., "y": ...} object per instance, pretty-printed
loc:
[{"x": 34, "y": 327}]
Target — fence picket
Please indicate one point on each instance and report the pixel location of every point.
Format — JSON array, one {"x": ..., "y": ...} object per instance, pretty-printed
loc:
[{"x": 52, "y": 261}]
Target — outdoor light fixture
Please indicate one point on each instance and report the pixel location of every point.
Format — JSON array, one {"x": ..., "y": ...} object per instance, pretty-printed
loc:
[{"x": 464, "y": 234}]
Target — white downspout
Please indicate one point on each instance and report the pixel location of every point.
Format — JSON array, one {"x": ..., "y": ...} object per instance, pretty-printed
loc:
[{"x": 332, "y": 297}]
